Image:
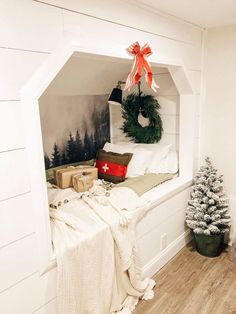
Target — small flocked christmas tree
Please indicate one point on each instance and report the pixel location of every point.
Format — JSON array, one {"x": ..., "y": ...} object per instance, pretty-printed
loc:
[{"x": 207, "y": 211}]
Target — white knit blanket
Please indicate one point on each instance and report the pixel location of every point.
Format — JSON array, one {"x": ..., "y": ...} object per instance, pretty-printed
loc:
[{"x": 94, "y": 240}]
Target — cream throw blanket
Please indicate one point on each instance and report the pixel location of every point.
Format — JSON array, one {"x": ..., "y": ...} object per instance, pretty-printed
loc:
[{"x": 94, "y": 239}]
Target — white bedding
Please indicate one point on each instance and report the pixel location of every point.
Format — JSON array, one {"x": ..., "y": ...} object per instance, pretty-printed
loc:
[{"x": 95, "y": 245}]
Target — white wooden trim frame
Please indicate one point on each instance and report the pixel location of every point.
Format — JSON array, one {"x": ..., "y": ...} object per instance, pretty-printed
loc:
[{"x": 37, "y": 85}]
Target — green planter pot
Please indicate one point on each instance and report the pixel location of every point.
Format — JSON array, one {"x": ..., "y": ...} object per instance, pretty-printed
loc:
[{"x": 209, "y": 245}]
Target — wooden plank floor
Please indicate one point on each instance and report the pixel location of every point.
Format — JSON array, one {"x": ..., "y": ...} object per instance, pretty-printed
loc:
[{"x": 193, "y": 284}]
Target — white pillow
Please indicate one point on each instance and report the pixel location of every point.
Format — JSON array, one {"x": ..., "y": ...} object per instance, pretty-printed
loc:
[
  {"x": 159, "y": 152},
  {"x": 156, "y": 148},
  {"x": 127, "y": 144},
  {"x": 115, "y": 148},
  {"x": 138, "y": 163},
  {"x": 169, "y": 164}
]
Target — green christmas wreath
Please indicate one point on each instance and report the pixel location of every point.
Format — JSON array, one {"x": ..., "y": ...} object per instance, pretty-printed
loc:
[{"x": 148, "y": 106}]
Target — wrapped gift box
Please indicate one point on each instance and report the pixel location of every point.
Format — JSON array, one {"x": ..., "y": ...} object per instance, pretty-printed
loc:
[
  {"x": 82, "y": 183},
  {"x": 63, "y": 177}
]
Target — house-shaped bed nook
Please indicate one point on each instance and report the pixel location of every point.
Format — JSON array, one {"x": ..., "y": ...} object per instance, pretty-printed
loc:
[{"x": 81, "y": 78}]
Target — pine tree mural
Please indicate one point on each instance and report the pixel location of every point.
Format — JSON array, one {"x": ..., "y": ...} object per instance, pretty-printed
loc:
[
  {"x": 79, "y": 146},
  {"x": 104, "y": 126},
  {"x": 72, "y": 155},
  {"x": 82, "y": 144},
  {"x": 96, "y": 135},
  {"x": 93, "y": 151},
  {"x": 96, "y": 140},
  {"x": 64, "y": 159},
  {"x": 56, "y": 158},
  {"x": 47, "y": 161},
  {"x": 101, "y": 125},
  {"x": 87, "y": 146},
  {"x": 207, "y": 211}
]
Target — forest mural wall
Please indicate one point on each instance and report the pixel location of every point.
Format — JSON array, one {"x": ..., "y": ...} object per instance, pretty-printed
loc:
[{"x": 73, "y": 127}]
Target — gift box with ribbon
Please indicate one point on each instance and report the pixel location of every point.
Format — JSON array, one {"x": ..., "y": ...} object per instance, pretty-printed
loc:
[
  {"x": 63, "y": 177},
  {"x": 82, "y": 182}
]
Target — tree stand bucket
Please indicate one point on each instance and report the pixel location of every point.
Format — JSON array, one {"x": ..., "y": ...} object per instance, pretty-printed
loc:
[{"x": 210, "y": 246}]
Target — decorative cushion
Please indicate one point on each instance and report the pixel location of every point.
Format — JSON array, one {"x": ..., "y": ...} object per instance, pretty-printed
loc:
[{"x": 112, "y": 166}]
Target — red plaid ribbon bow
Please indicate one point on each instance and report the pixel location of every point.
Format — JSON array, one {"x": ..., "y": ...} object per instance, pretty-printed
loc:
[{"x": 140, "y": 63}]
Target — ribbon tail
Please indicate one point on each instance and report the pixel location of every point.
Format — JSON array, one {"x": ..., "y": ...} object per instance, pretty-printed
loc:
[
  {"x": 151, "y": 82},
  {"x": 154, "y": 86},
  {"x": 138, "y": 74},
  {"x": 149, "y": 76},
  {"x": 128, "y": 83},
  {"x": 130, "y": 78}
]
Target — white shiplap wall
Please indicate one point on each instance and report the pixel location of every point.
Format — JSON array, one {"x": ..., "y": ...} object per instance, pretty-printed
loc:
[{"x": 29, "y": 31}]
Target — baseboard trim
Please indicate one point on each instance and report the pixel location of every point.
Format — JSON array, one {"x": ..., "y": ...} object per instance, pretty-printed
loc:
[{"x": 166, "y": 255}]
